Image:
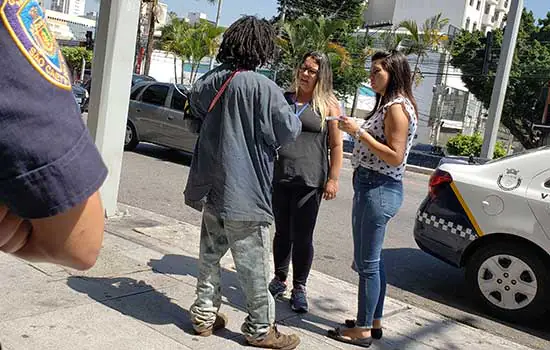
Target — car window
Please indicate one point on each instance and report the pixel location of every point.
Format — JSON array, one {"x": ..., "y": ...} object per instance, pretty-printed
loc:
[
  {"x": 178, "y": 101},
  {"x": 136, "y": 92},
  {"x": 155, "y": 95}
]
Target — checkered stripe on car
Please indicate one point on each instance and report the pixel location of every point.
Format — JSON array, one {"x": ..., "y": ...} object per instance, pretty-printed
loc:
[{"x": 446, "y": 225}]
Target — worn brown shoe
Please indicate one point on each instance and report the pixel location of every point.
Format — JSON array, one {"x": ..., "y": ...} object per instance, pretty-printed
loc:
[
  {"x": 221, "y": 321},
  {"x": 276, "y": 340}
]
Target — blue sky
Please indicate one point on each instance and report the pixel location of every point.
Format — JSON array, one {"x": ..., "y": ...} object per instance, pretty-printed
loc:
[{"x": 232, "y": 9}]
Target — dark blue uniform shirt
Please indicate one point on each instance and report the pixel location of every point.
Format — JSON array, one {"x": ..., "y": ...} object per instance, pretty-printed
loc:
[{"x": 48, "y": 161}]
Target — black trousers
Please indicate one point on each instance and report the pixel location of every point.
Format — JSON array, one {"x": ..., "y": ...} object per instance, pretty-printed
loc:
[{"x": 295, "y": 209}]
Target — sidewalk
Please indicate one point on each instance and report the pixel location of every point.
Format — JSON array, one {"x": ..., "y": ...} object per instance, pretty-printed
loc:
[{"x": 138, "y": 294}]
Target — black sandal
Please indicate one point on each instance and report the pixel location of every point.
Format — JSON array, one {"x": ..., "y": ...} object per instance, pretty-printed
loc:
[
  {"x": 376, "y": 333},
  {"x": 336, "y": 334}
]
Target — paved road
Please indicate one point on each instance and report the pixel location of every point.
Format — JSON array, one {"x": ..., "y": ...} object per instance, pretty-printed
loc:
[{"x": 153, "y": 178}]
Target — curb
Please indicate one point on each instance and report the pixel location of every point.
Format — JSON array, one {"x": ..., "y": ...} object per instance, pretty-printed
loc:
[{"x": 411, "y": 168}]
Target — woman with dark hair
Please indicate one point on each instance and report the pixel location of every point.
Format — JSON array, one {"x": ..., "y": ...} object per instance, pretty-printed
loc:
[
  {"x": 306, "y": 171},
  {"x": 382, "y": 146},
  {"x": 245, "y": 118}
]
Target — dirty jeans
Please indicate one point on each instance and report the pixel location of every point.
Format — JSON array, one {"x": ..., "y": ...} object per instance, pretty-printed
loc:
[
  {"x": 377, "y": 199},
  {"x": 249, "y": 243}
]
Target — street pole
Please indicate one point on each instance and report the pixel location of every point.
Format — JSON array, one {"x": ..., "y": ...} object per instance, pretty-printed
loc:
[
  {"x": 150, "y": 36},
  {"x": 112, "y": 76},
  {"x": 217, "y": 25},
  {"x": 502, "y": 77}
]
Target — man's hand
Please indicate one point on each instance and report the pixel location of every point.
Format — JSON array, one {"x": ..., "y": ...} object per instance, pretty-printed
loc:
[
  {"x": 71, "y": 239},
  {"x": 14, "y": 231}
]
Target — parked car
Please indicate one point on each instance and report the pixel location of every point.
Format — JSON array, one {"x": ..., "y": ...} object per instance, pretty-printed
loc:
[
  {"x": 493, "y": 219},
  {"x": 81, "y": 96},
  {"x": 425, "y": 155},
  {"x": 136, "y": 78},
  {"x": 159, "y": 113}
]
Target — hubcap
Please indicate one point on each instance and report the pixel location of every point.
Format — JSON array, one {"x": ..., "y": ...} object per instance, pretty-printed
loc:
[
  {"x": 129, "y": 135},
  {"x": 507, "y": 282}
]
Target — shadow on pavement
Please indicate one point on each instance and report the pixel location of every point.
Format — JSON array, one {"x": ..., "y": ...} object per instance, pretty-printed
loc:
[
  {"x": 187, "y": 266},
  {"x": 164, "y": 154},
  {"x": 417, "y": 272},
  {"x": 137, "y": 299}
]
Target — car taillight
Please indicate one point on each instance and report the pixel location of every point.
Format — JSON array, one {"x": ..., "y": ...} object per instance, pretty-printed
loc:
[{"x": 438, "y": 178}]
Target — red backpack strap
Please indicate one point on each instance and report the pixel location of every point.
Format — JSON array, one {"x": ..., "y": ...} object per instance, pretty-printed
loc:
[{"x": 222, "y": 89}]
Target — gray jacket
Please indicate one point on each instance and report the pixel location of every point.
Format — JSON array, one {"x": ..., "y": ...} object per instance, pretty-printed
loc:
[{"x": 232, "y": 166}]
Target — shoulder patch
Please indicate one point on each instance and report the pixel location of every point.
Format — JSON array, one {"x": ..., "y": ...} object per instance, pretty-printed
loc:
[{"x": 26, "y": 22}]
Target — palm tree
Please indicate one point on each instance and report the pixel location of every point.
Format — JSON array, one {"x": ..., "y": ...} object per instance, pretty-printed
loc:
[
  {"x": 204, "y": 41},
  {"x": 175, "y": 40},
  {"x": 421, "y": 41},
  {"x": 308, "y": 34}
]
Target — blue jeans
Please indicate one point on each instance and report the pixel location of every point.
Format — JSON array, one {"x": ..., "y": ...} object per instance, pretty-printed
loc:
[
  {"x": 377, "y": 199},
  {"x": 250, "y": 244}
]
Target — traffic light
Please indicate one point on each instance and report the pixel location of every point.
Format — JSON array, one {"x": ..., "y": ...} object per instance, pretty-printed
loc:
[{"x": 89, "y": 40}]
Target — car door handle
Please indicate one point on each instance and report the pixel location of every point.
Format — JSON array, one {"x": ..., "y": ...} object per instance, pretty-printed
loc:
[
  {"x": 138, "y": 110},
  {"x": 170, "y": 117}
]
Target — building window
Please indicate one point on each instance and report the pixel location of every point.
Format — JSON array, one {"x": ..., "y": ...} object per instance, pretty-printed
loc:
[
  {"x": 487, "y": 9},
  {"x": 478, "y": 5},
  {"x": 474, "y": 27},
  {"x": 467, "y": 25}
]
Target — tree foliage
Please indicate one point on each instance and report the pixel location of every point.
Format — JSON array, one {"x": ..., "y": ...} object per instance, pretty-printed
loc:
[
  {"x": 74, "y": 56},
  {"x": 190, "y": 43},
  {"x": 351, "y": 11},
  {"x": 463, "y": 145},
  {"x": 530, "y": 73}
]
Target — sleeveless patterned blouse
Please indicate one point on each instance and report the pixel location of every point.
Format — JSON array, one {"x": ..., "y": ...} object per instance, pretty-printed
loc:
[{"x": 362, "y": 155}]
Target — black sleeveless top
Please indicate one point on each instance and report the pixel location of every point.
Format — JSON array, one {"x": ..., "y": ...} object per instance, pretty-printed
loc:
[{"x": 305, "y": 161}]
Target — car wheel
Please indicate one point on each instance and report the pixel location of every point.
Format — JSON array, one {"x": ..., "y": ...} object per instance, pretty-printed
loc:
[
  {"x": 509, "y": 280},
  {"x": 130, "y": 140}
]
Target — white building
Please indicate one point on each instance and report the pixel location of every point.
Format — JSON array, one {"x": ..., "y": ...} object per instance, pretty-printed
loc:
[
  {"x": 195, "y": 17},
  {"x": 70, "y": 7},
  {"x": 69, "y": 27},
  {"x": 466, "y": 14}
]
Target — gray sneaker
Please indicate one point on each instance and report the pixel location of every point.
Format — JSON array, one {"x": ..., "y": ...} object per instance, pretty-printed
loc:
[
  {"x": 277, "y": 288},
  {"x": 298, "y": 300}
]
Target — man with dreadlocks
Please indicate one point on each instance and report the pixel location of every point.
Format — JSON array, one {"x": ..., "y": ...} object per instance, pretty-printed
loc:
[{"x": 245, "y": 119}]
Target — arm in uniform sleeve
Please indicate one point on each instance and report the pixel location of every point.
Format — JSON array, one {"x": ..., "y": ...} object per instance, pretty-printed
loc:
[{"x": 50, "y": 169}]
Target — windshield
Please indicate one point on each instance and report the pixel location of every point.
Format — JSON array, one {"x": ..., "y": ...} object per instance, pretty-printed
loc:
[{"x": 532, "y": 150}]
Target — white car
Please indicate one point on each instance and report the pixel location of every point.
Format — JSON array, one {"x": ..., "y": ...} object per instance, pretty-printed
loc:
[{"x": 494, "y": 220}]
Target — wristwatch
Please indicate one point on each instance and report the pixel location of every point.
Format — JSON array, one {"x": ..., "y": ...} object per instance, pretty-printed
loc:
[{"x": 358, "y": 134}]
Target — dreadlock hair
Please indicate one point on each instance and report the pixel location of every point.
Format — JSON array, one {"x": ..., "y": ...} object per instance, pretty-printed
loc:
[{"x": 248, "y": 43}]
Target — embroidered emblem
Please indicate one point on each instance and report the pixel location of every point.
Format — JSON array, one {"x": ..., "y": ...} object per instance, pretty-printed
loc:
[{"x": 25, "y": 21}]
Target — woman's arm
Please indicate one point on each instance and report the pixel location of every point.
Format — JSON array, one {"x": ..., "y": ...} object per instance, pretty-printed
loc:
[
  {"x": 396, "y": 123},
  {"x": 336, "y": 147}
]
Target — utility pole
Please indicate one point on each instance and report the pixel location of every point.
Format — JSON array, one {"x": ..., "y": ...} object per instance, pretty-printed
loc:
[
  {"x": 217, "y": 25},
  {"x": 502, "y": 77},
  {"x": 150, "y": 34}
]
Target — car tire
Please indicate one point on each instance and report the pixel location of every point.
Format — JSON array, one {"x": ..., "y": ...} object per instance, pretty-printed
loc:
[
  {"x": 509, "y": 280},
  {"x": 130, "y": 139}
]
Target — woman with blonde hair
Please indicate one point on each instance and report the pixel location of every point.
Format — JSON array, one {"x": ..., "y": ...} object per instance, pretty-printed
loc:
[{"x": 306, "y": 171}]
